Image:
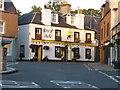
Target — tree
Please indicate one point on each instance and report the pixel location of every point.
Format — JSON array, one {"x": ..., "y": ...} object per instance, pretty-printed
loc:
[
  {"x": 89, "y": 11},
  {"x": 35, "y": 9},
  {"x": 54, "y": 5},
  {"x": 19, "y": 12}
]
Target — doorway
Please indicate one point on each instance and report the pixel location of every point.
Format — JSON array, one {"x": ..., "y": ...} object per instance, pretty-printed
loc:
[{"x": 40, "y": 53}]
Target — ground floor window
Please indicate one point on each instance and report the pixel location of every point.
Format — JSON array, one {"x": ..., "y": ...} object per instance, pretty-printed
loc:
[
  {"x": 88, "y": 53},
  {"x": 58, "y": 51},
  {"x": 76, "y": 52},
  {"x": 22, "y": 51}
]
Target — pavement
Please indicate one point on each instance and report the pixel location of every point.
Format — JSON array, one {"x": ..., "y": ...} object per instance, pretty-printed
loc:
[
  {"x": 101, "y": 67},
  {"x": 8, "y": 70},
  {"x": 60, "y": 75}
]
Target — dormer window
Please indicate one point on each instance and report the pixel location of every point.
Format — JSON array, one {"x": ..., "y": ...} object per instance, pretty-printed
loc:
[
  {"x": 1, "y": 4},
  {"x": 55, "y": 18}
]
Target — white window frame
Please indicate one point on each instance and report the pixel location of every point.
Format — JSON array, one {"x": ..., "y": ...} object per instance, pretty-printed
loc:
[
  {"x": 3, "y": 31},
  {"x": 55, "y": 18},
  {"x": 2, "y": 3}
]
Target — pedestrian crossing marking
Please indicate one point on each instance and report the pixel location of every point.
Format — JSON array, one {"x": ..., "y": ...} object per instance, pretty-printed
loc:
[
  {"x": 72, "y": 84},
  {"x": 18, "y": 84}
]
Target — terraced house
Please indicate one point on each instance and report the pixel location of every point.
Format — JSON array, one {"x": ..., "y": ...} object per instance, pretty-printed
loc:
[
  {"x": 51, "y": 35},
  {"x": 109, "y": 32},
  {"x": 8, "y": 29}
]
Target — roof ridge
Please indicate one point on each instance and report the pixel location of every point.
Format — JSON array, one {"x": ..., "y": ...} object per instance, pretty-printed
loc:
[{"x": 33, "y": 17}]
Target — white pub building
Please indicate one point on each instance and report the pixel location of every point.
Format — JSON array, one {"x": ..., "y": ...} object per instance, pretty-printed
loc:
[{"x": 50, "y": 35}]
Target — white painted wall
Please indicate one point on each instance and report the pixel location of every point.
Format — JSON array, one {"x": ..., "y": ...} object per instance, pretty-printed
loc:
[
  {"x": 23, "y": 39},
  {"x": 27, "y": 33}
]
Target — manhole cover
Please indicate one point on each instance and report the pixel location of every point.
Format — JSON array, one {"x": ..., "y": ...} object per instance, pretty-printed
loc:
[{"x": 72, "y": 84}]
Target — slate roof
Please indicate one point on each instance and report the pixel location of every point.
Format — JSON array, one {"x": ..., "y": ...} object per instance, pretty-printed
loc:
[
  {"x": 95, "y": 22},
  {"x": 35, "y": 18},
  {"x": 9, "y": 7}
]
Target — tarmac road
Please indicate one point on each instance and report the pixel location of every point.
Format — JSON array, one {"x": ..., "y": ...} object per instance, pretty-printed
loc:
[{"x": 60, "y": 75}]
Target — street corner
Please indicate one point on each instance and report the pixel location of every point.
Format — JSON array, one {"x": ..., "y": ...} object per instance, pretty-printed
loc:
[{"x": 9, "y": 70}]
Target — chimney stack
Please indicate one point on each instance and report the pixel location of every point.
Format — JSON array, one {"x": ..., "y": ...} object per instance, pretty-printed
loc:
[
  {"x": 65, "y": 8},
  {"x": 46, "y": 15},
  {"x": 80, "y": 11}
]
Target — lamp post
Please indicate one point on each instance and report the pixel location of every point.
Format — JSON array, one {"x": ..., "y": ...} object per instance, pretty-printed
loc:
[{"x": 2, "y": 63}]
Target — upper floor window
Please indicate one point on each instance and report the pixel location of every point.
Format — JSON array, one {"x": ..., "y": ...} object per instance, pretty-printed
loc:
[
  {"x": 54, "y": 18},
  {"x": 76, "y": 37},
  {"x": 1, "y": 27},
  {"x": 38, "y": 33},
  {"x": 58, "y": 35},
  {"x": 1, "y": 4},
  {"x": 88, "y": 37}
]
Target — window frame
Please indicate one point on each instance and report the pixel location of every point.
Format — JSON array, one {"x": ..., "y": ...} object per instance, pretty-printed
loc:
[
  {"x": 57, "y": 47},
  {"x": 86, "y": 55},
  {"x": 54, "y": 19},
  {"x": 38, "y": 33},
  {"x": 1, "y": 4},
  {"x": 58, "y": 36},
  {"x": 78, "y": 36},
  {"x": 87, "y": 37},
  {"x": 3, "y": 27},
  {"x": 22, "y": 50}
]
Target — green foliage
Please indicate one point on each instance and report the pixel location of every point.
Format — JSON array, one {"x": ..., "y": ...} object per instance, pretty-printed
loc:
[
  {"x": 89, "y": 11},
  {"x": 54, "y": 5},
  {"x": 19, "y": 12},
  {"x": 35, "y": 9}
]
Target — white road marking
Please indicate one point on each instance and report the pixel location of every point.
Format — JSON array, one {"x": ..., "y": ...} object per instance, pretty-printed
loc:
[
  {"x": 18, "y": 84},
  {"x": 72, "y": 84},
  {"x": 87, "y": 67},
  {"x": 111, "y": 77},
  {"x": 9, "y": 64}
]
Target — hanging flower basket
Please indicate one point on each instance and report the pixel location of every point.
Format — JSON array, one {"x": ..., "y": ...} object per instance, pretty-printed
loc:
[
  {"x": 103, "y": 47},
  {"x": 110, "y": 45},
  {"x": 38, "y": 37},
  {"x": 46, "y": 47},
  {"x": 88, "y": 41}
]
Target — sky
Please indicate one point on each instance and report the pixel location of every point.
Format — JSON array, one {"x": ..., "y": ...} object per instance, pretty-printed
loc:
[{"x": 25, "y": 5}]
